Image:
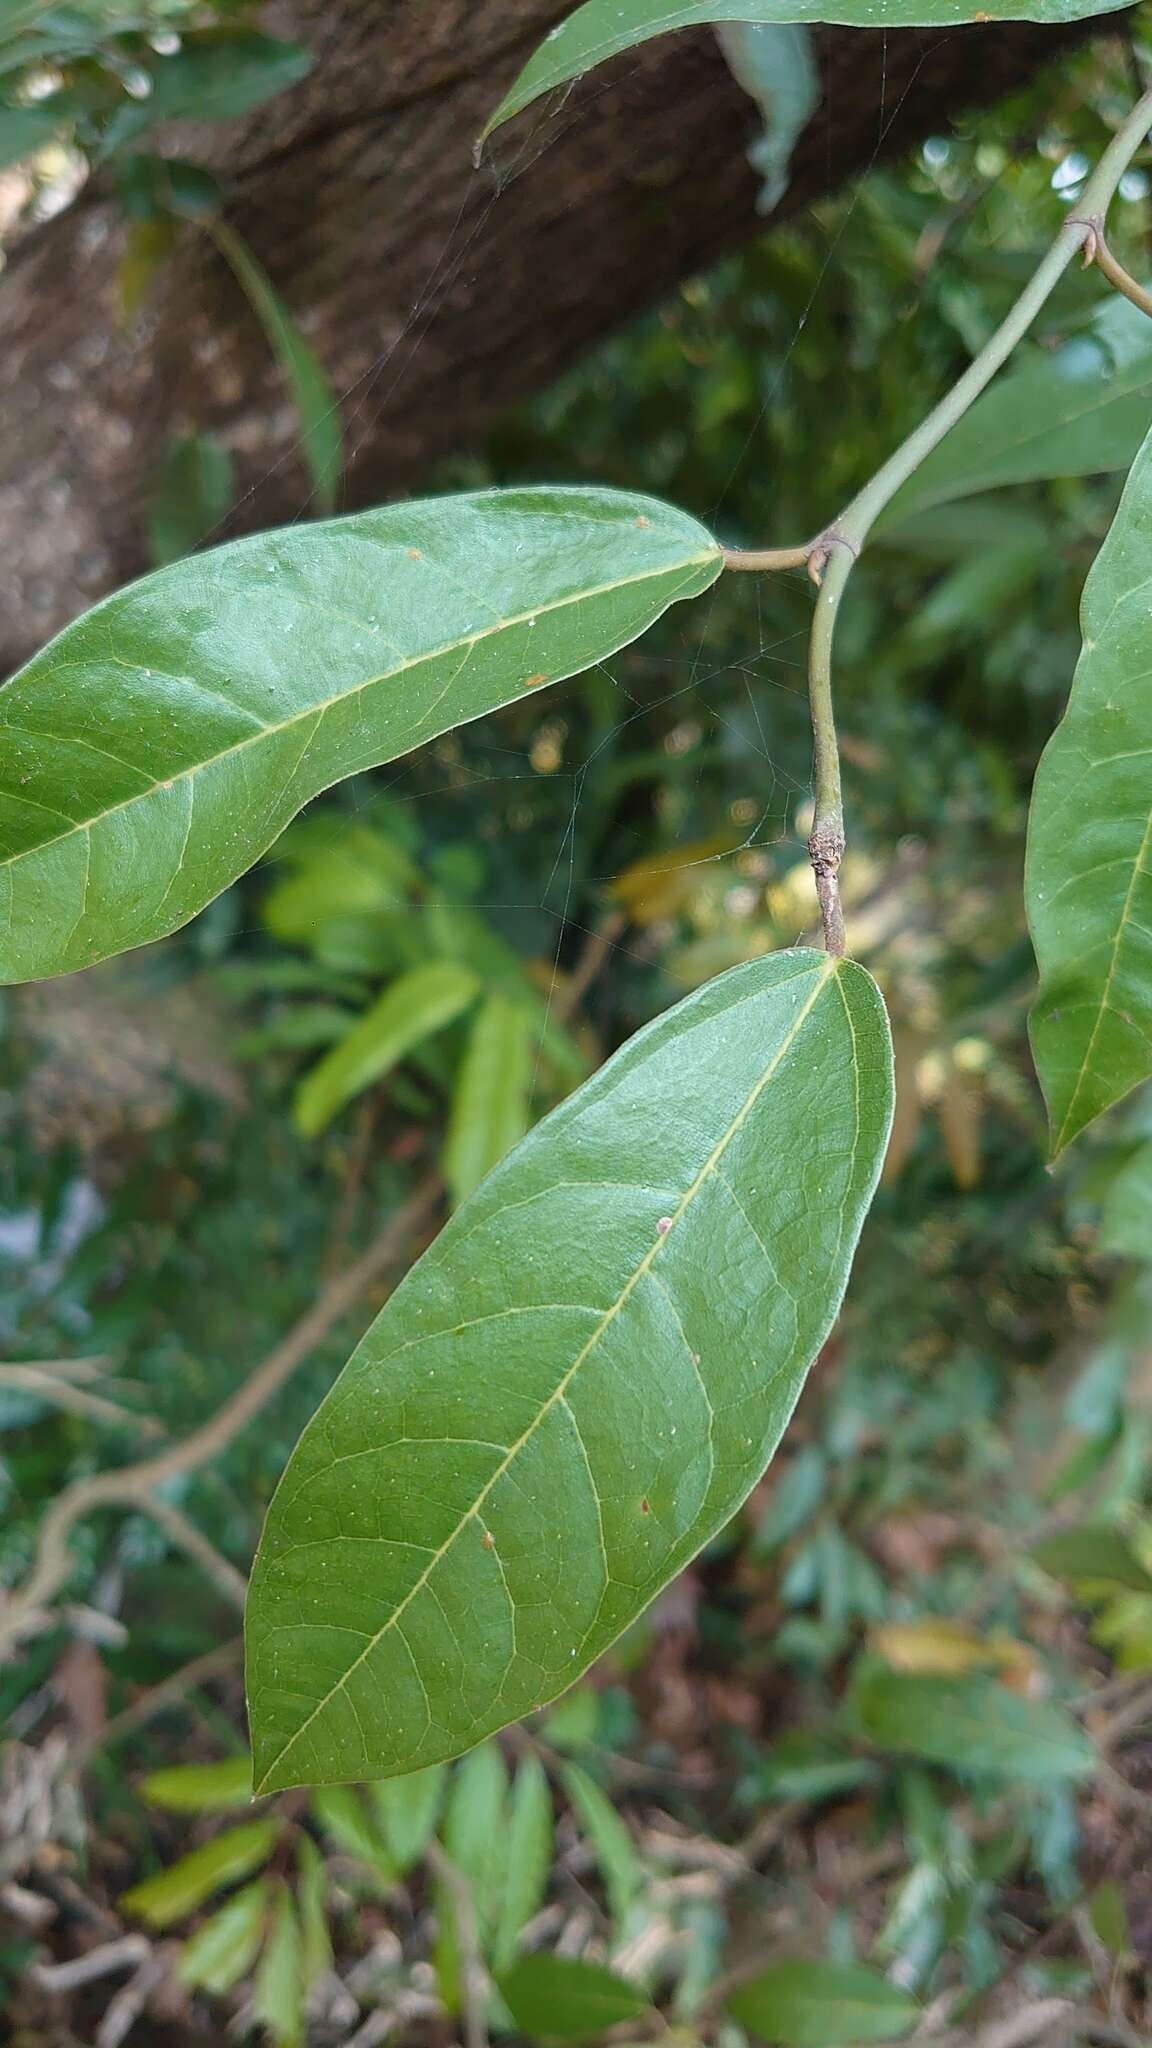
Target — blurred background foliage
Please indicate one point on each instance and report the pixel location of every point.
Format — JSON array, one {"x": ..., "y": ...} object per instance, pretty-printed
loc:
[{"x": 880, "y": 1762}]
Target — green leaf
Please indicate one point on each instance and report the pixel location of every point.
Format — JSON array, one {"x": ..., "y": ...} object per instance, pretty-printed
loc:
[
  {"x": 156, "y": 748},
  {"x": 215, "y": 75},
  {"x": 278, "y": 1989},
  {"x": 415, "y": 1006},
  {"x": 312, "y": 1904},
  {"x": 969, "y": 1724},
  {"x": 577, "y": 1385},
  {"x": 604, "y": 28},
  {"x": 1078, "y": 411},
  {"x": 773, "y": 61},
  {"x": 407, "y": 1810},
  {"x": 321, "y": 434},
  {"x": 620, "y": 1866},
  {"x": 1126, "y": 1217},
  {"x": 24, "y": 130},
  {"x": 823, "y": 2005},
  {"x": 531, "y": 1834},
  {"x": 200, "y": 1788},
  {"x": 224, "y": 1949},
  {"x": 490, "y": 1107},
  {"x": 563, "y": 1998},
  {"x": 195, "y": 493},
  {"x": 476, "y": 1844},
  {"x": 1088, "y": 874},
  {"x": 222, "y": 1861},
  {"x": 1093, "y": 1551},
  {"x": 340, "y": 1812}
]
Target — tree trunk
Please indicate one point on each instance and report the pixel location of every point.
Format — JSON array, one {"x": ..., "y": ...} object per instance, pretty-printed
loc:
[{"x": 435, "y": 294}]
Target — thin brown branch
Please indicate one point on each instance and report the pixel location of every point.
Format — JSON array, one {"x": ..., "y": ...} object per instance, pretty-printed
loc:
[
  {"x": 769, "y": 558},
  {"x": 134, "y": 1485}
]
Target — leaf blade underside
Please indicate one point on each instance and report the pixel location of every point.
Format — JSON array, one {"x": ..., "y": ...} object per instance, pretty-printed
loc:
[{"x": 577, "y": 1385}]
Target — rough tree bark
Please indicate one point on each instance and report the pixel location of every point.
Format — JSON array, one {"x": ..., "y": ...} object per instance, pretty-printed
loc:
[{"x": 435, "y": 294}]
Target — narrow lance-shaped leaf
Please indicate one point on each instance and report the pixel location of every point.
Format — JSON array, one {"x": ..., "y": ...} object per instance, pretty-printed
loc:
[
  {"x": 577, "y": 1385},
  {"x": 604, "y": 28},
  {"x": 416, "y": 1005},
  {"x": 490, "y": 1108},
  {"x": 531, "y": 1835},
  {"x": 1088, "y": 876},
  {"x": 159, "y": 746}
]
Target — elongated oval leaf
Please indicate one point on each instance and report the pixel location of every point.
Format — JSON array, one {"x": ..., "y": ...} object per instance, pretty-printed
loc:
[
  {"x": 1088, "y": 876},
  {"x": 1077, "y": 412},
  {"x": 970, "y": 1724},
  {"x": 156, "y": 748},
  {"x": 173, "y": 1892},
  {"x": 490, "y": 1108},
  {"x": 578, "y": 1383},
  {"x": 604, "y": 28},
  {"x": 416, "y": 1005},
  {"x": 566, "y": 1998},
  {"x": 200, "y": 1788},
  {"x": 225, "y": 1947},
  {"x": 531, "y": 1834},
  {"x": 823, "y": 2005}
]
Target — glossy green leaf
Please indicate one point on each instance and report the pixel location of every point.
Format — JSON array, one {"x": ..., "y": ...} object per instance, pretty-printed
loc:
[
  {"x": 201, "y": 1788},
  {"x": 610, "y": 1840},
  {"x": 774, "y": 63},
  {"x": 970, "y": 1724},
  {"x": 24, "y": 130},
  {"x": 605, "y": 28},
  {"x": 1088, "y": 874},
  {"x": 823, "y": 2005},
  {"x": 321, "y": 434},
  {"x": 531, "y": 1834},
  {"x": 155, "y": 749},
  {"x": 278, "y": 1988},
  {"x": 407, "y": 1810},
  {"x": 490, "y": 1107},
  {"x": 577, "y": 1385},
  {"x": 1093, "y": 1551},
  {"x": 223, "y": 1861},
  {"x": 564, "y": 1998},
  {"x": 224, "y": 1949},
  {"x": 414, "y": 1007},
  {"x": 1126, "y": 1217},
  {"x": 1078, "y": 411},
  {"x": 214, "y": 76}
]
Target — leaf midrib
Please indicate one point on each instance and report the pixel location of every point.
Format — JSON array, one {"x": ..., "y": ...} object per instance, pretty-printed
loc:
[
  {"x": 823, "y": 975},
  {"x": 318, "y": 711}
]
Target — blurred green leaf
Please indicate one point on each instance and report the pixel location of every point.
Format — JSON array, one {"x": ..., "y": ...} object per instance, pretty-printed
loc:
[
  {"x": 1109, "y": 1916},
  {"x": 224, "y": 1948},
  {"x": 312, "y": 1892},
  {"x": 1093, "y": 1551},
  {"x": 341, "y": 1813},
  {"x": 563, "y": 1998},
  {"x": 475, "y": 1841},
  {"x": 407, "y": 1810},
  {"x": 823, "y": 2005},
  {"x": 490, "y": 1106},
  {"x": 24, "y": 130},
  {"x": 969, "y": 1724},
  {"x": 530, "y": 1847},
  {"x": 321, "y": 433},
  {"x": 201, "y": 1788},
  {"x": 163, "y": 1899},
  {"x": 418, "y": 1004},
  {"x": 1088, "y": 876},
  {"x": 615, "y": 1852},
  {"x": 196, "y": 488},
  {"x": 278, "y": 1988},
  {"x": 215, "y": 75},
  {"x": 1126, "y": 1217},
  {"x": 1078, "y": 411}
]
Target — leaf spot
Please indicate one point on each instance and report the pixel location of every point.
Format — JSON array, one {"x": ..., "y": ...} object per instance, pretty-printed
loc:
[
  {"x": 533, "y": 682},
  {"x": 664, "y": 1226}
]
